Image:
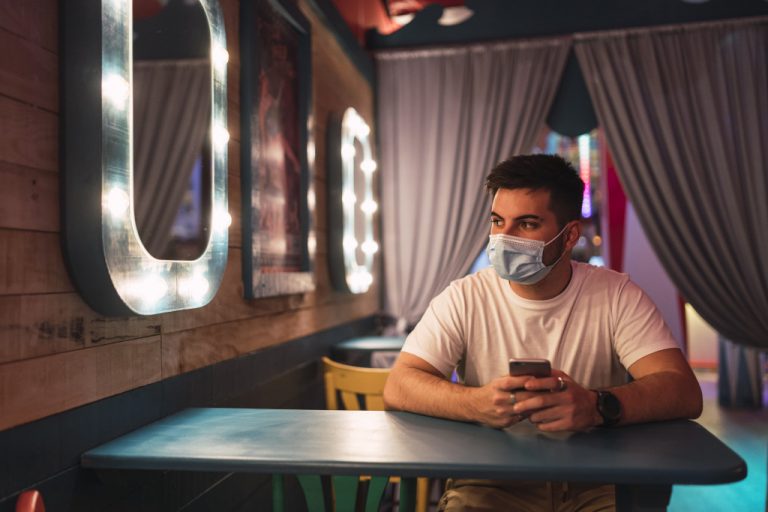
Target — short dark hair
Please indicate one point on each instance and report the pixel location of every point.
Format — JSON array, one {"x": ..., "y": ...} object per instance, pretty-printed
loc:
[{"x": 547, "y": 172}]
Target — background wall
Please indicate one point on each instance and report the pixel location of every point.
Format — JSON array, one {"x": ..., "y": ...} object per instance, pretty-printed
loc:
[
  {"x": 57, "y": 356},
  {"x": 644, "y": 267}
]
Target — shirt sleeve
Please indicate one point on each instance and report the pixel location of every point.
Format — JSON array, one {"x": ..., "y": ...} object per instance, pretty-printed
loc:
[
  {"x": 640, "y": 329},
  {"x": 438, "y": 338}
]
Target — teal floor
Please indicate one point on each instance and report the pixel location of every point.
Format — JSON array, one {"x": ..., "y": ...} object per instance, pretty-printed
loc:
[{"x": 746, "y": 433}]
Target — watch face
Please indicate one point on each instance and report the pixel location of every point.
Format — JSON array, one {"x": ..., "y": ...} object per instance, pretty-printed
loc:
[{"x": 609, "y": 407}]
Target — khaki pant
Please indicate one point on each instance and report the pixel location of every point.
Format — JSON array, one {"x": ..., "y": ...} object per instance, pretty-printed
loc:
[{"x": 526, "y": 496}]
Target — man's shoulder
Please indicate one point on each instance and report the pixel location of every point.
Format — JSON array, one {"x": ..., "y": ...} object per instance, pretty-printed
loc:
[
  {"x": 601, "y": 277},
  {"x": 482, "y": 279}
]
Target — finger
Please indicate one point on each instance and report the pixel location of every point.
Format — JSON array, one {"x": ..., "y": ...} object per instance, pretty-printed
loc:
[
  {"x": 509, "y": 383},
  {"x": 539, "y": 401},
  {"x": 557, "y": 383},
  {"x": 509, "y": 421},
  {"x": 548, "y": 415}
]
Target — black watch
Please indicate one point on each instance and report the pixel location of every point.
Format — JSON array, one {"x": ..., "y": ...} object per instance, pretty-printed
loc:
[{"x": 609, "y": 407}]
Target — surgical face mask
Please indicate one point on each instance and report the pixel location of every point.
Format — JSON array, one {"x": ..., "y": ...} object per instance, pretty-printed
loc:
[{"x": 520, "y": 260}]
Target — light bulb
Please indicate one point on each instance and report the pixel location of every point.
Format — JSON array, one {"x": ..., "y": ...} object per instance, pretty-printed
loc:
[
  {"x": 347, "y": 151},
  {"x": 368, "y": 166},
  {"x": 369, "y": 206},
  {"x": 370, "y": 247},
  {"x": 117, "y": 201},
  {"x": 116, "y": 89},
  {"x": 350, "y": 244},
  {"x": 194, "y": 287},
  {"x": 219, "y": 55},
  {"x": 348, "y": 199},
  {"x": 220, "y": 136}
]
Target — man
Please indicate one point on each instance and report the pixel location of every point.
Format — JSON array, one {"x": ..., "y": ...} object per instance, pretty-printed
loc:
[{"x": 593, "y": 324}]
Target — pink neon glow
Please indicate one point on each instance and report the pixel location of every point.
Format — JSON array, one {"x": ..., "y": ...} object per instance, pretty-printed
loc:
[{"x": 584, "y": 174}]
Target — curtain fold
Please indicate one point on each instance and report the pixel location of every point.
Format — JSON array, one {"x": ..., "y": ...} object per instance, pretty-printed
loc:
[
  {"x": 685, "y": 112},
  {"x": 445, "y": 117},
  {"x": 172, "y": 109}
]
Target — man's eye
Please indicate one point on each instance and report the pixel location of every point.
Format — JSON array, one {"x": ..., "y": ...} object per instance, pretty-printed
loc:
[
  {"x": 496, "y": 222},
  {"x": 528, "y": 225}
]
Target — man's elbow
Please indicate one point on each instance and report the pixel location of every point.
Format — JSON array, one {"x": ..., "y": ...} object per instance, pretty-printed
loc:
[
  {"x": 694, "y": 401},
  {"x": 390, "y": 396},
  {"x": 697, "y": 403}
]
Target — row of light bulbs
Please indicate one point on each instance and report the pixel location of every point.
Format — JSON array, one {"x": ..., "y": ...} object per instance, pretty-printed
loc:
[
  {"x": 354, "y": 129},
  {"x": 153, "y": 287},
  {"x": 146, "y": 284}
]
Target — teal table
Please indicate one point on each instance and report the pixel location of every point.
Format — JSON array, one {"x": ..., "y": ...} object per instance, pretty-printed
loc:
[
  {"x": 369, "y": 351},
  {"x": 644, "y": 461}
]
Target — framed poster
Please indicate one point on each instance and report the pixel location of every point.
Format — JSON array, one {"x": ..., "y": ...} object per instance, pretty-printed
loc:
[{"x": 275, "y": 91}]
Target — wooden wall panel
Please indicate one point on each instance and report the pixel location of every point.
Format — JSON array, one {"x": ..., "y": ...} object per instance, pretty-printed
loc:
[
  {"x": 55, "y": 352},
  {"x": 30, "y": 136},
  {"x": 34, "y": 20},
  {"x": 31, "y": 262},
  {"x": 46, "y": 324},
  {"x": 188, "y": 350},
  {"x": 28, "y": 73},
  {"x": 42, "y": 386},
  {"x": 29, "y": 199}
]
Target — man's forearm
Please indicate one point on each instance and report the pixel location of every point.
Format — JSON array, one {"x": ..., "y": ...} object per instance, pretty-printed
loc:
[
  {"x": 660, "y": 396},
  {"x": 410, "y": 389}
]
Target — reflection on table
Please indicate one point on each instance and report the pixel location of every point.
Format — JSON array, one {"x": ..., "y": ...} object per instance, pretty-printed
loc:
[{"x": 643, "y": 460}]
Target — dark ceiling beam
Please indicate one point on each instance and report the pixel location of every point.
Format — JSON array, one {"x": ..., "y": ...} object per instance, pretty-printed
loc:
[{"x": 513, "y": 19}]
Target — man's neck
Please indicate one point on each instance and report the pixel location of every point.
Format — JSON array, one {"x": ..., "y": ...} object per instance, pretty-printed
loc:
[{"x": 551, "y": 286}]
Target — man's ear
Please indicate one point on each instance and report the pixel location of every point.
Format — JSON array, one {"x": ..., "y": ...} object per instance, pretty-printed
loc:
[{"x": 572, "y": 234}]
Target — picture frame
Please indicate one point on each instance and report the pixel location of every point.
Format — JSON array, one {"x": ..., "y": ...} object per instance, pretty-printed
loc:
[{"x": 276, "y": 141}]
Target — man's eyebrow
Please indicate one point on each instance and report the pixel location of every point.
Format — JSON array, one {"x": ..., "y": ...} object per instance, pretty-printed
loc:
[{"x": 527, "y": 216}]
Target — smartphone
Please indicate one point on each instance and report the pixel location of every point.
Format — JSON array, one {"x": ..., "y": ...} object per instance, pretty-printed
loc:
[{"x": 534, "y": 367}]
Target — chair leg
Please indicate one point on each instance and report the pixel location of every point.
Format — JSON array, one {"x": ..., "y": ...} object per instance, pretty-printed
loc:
[
  {"x": 345, "y": 493},
  {"x": 312, "y": 486},
  {"x": 278, "y": 494},
  {"x": 376, "y": 487},
  {"x": 422, "y": 494},
  {"x": 407, "y": 494}
]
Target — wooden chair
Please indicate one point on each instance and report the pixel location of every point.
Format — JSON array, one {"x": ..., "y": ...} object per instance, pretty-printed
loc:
[
  {"x": 363, "y": 389},
  {"x": 30, "y": 501}
]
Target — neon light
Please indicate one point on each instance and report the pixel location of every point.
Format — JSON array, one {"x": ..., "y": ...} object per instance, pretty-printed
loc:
[{"x": 584, "y": 174}]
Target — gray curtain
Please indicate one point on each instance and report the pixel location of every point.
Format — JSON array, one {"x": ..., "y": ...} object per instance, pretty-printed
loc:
[
  {"x": 685, "y": 111},
  {"x": 445, "y": 117},
  {"x": 171, "y": 118}
]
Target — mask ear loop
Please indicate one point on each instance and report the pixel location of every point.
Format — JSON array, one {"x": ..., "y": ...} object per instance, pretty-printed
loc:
[
  {"x": 562, "y": 253},
  {"x": 558, "y": 235}
]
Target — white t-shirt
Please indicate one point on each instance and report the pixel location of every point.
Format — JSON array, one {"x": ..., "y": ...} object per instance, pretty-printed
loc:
[{"x": 599, "y": 325}]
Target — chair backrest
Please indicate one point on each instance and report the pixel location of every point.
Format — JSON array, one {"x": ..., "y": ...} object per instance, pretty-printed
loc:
[
  {"x": 30, "y": 501},
  {"x": 353, "y": 382}
]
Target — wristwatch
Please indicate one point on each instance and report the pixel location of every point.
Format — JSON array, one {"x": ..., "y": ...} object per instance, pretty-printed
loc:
[{"x": 609, "y": 407}]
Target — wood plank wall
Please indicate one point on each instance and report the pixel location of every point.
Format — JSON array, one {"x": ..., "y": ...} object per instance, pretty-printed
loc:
[{"x": 55, "y": 352}]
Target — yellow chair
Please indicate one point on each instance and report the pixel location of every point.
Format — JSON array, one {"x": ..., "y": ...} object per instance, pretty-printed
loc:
[{"x": 353, "y": 384}]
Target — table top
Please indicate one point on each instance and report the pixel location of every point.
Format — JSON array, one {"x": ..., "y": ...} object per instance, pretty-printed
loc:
[{"x": 405, "y": 444}]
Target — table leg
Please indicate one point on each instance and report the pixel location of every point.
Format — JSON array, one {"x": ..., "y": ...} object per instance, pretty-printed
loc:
[
  {"x": 642, "y": 498},
  {"x": 407, "y": 494},
  {"x": 278, "y": 494}
]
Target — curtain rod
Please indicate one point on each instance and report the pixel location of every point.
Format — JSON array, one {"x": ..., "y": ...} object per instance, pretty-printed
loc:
[
  {"x": 538, "y": 42},
  {"x": 677, "y": 27}
]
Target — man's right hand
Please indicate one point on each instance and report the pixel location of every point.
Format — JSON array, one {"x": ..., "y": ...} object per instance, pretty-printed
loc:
[
  {"x": 493, "y": 402},
  {"x": 416, "y": 386}
]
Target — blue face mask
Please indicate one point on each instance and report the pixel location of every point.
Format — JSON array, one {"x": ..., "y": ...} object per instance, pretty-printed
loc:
[{"x": 520, "y": 260}]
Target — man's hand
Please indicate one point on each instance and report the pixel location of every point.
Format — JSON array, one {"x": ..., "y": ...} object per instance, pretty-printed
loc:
[
  {"x": 494, "y": 403},
  {"x": 557, "y": 406}
]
